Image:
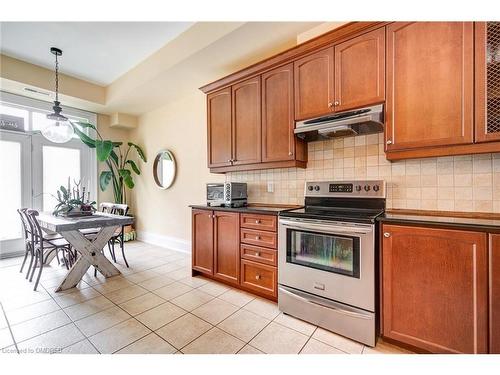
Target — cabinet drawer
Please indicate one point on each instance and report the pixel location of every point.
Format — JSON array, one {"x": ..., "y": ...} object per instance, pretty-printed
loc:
[
  {"x": 259, "y": 238},
  {"x": 260, "y": 222},
  {"x": 259, "y": 277},
  {"x": 259, "y": 254}
]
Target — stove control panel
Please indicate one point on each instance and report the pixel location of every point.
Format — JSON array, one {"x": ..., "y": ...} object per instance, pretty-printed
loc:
[{"x": 355, "y": 189}]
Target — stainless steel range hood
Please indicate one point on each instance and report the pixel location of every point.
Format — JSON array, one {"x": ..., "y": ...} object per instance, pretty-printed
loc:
[{"x": 361, "y": 121}]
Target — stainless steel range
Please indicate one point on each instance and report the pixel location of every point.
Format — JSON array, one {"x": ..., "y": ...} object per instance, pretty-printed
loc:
[{"x": 326, "y": 257}]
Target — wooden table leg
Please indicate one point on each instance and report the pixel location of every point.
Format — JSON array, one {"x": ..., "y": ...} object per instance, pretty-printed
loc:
[{"x": 90, "y": 255}]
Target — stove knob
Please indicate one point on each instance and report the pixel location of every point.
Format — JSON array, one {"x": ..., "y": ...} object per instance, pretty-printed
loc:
[
  {"x": 316, "y": 188},
  {"x": 310, "y": 188},
  {"x": 358, "y": 188},
  {"x": 376, "y": 188},
  {"x": 367, "y": 187}
]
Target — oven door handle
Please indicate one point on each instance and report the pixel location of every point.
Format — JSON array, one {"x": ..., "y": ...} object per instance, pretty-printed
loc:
[
  {"x": 326, "y": 304},
  {"x": 332, "y": 229}
]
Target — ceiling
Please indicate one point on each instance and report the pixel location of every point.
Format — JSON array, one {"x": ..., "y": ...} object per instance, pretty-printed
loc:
[{"x": 98, "y": 52}]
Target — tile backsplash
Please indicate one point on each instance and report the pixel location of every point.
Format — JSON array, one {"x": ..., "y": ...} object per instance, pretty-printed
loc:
[{"x": 454, "y": 183}]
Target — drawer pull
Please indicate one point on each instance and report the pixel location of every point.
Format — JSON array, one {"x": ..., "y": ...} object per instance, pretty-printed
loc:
[
  {"x": 257, "y": 277},
  {"x": 257, "y": 221},
  {"x": 387, "y": 234},
  {"x": 257, "y": 238},
  {"x": 257, "y": 254}
]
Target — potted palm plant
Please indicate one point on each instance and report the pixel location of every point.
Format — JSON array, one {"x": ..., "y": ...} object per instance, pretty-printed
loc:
[{"x": 116, "y": 156}]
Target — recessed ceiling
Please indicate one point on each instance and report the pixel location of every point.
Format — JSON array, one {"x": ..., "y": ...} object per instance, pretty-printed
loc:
[{"x": 98, "y": 52}]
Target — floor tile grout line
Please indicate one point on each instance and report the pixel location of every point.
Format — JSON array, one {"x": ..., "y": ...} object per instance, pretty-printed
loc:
[
  {"x": 72, "y": 322},
  {"x": 10, "y": 329}
]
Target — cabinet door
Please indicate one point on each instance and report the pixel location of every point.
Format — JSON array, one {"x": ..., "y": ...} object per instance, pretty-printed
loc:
[
  {"x": 314, "y": 84},
  {"x": 227, "y": 246},
  {"x": 494, "y": 278},
  {"x": 435, "y": 288},
  {"x": 203, "y": 241},
  {"x": 219, "y": 128},
  {"x": 246, "y": 122},
  {"x": 360, "y": 71},
  {"x": 278, "y": 139},
  {"x": 429, "y": 84},
  {"x": 487, "y": 47}
]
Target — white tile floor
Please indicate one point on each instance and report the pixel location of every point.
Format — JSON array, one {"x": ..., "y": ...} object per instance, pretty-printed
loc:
[{"x": 155, "y": 306}]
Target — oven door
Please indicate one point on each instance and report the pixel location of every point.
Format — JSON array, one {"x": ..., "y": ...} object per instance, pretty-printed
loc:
[{"x": 329, "y": 259}]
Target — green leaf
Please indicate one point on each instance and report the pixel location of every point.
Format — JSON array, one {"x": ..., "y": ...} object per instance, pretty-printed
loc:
[
  {"x": 139, "y": 151},
  {"x": 85, "y": 124},
  {"x": 126, "y": 175},
  {"x": 84, "y": 137},
  {"x": 114, "y": 156},
  {"x": 105, "y": 179},
  {"x": 103, "y": 149},
  {"x": 134, "y": 166}
]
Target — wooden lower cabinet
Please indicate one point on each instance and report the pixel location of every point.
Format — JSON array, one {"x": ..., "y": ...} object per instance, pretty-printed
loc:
[
  {"x": 220, "y": 252},
  {"x": 203, "y": 241},
  {"x": 259, "y": 278},
  {"x": 226, "y": 246},
  {"x": 494, "y": 295},
  {"x": 435, "y": 288}
]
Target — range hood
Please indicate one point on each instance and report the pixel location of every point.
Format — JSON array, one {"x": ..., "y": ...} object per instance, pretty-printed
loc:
[{"x": 343, "y": 124}]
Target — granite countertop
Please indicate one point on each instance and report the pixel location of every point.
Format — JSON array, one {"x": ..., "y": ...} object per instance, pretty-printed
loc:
[
  {"x": 251, "y": 208},
  {"x": 481, "y": 222}
]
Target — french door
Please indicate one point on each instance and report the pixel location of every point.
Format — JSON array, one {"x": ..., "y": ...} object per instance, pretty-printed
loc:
[
  {"x": 15, "y": 188},
  {"x": 52, "y": 165}
]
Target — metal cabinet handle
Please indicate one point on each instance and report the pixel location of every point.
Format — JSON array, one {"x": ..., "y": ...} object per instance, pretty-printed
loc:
[
  {"x": 290, "y": 153},
  {"x": 389, "y": 142},
  {"x": 257, "y": 221},
  {"x": 257, "y": 277},
  {"x": 257, "y": 254},
  {"x": 330, "y": 105},
  {"x": 387, "y": 234},
  {"x": 336, "y": 103},
  {"x": 257, "y": 237}
]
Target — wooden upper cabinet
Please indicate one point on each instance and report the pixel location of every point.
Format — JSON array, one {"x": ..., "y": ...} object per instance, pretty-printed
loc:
[
  {"x": 494, "y": 278},
  {"x": 219, "y": 128},
  {"x": 430, "y": 82},
  {"x": 278, "y": 138},
  {"x": 487, "y": 81},
  {"x": 227, "y": 246},
  {"x": 360, "y": 71},
  {"x": 435, "y": 288},
  {"x": 313, "y": 82},
  {"x": 246, "y": 122},
  {"x": 202, "y": 241}
]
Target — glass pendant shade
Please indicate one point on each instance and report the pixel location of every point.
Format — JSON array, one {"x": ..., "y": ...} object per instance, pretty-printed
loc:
[{"x": 58, "y": 131}]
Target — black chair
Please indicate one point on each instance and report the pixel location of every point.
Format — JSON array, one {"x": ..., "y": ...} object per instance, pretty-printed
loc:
[
  {"x": 27, "y": 240},
  {"x": 118, "y": 236},
  {"x": 44, "y": 247}
]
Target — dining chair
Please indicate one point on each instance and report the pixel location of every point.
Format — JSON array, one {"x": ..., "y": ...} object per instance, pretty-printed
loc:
[
  {"x": 122, "y": 210},
  {"x": 28, "y": 244},
  {"x": 43, "y": 247},
  {"x": 118, "y": 236}
]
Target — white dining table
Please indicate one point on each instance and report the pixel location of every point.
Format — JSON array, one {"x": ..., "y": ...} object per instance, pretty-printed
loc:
[{"x": 90, "y": 250}]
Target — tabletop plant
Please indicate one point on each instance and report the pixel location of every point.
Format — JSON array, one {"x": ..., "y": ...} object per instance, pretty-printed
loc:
[
  {"x": 116, "y": 157},
  {"x": 73, "y": 201}
]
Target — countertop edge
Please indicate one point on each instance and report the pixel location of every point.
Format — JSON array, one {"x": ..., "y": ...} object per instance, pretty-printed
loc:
[
  {"x": 245, "y": 209},
  {"x": 482, "y": 227}
]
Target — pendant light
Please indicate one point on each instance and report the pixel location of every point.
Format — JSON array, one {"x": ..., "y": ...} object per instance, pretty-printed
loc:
[{"x": 60, "y": 129}]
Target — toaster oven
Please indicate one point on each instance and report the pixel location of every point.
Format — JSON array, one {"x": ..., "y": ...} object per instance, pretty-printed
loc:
[{"x": 227, "y": 194}]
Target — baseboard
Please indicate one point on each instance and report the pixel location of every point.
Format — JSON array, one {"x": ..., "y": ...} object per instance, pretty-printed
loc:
[{"x": 168, "y": 242}]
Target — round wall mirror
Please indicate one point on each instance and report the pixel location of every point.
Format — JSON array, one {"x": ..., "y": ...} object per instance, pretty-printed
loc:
[{"x": 164, "y": 169}]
